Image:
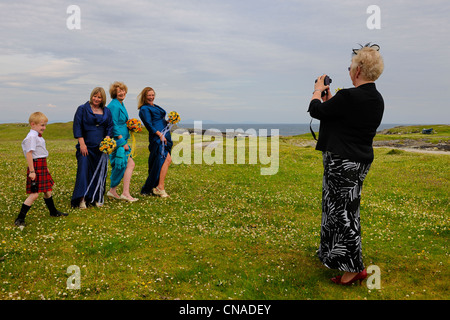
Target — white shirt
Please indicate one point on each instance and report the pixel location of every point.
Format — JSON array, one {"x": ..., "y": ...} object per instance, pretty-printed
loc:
[{"x": 35, "y": 144}]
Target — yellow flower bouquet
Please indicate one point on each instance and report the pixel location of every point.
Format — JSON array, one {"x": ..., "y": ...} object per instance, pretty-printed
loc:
[
  {"x": 134, "y": 125},
  {"x": 108, "y": 145},
  {"x": 174, "y": 117}
]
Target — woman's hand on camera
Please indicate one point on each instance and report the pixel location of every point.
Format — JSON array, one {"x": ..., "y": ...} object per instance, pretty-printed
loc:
[
  {"x": 319, "y": 84},
  {"x": 327, "y": 96}
]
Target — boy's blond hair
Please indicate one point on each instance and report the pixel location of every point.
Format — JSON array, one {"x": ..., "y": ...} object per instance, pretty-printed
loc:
[{"x": 37, "y": 117}]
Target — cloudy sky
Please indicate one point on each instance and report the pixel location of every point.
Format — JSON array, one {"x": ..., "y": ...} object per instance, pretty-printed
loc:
[{"x": 226, "y": 61}]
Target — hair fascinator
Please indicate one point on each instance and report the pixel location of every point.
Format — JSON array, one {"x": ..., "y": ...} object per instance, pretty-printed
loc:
[{"x": 375, "y": 46}]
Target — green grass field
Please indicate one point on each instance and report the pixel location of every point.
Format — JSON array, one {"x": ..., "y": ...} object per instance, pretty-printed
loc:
[{"x": 226, "y": 232}]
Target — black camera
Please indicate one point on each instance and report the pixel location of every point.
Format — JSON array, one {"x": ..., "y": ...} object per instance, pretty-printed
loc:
[{"x": 326, "y": 81}]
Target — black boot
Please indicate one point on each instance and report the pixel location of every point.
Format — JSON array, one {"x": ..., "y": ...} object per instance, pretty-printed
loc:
[
  {"x": 20, "y": 220},
  {"x": 52, "y": 209}
]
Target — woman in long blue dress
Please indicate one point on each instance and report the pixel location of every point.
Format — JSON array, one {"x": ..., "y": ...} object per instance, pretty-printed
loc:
[
  {"x": 122, "y": 163},
  {"x": 160, "y": 146},
  {"x": 92, "y": 123}
]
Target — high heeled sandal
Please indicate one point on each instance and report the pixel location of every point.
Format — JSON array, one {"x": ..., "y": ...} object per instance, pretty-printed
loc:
[
  {"x": 358, "y": 277},
  {"x": 123, "y": 197},
  {"x": 161, "y": 193},
  {"x": 82, "y": 205},
  {"x": 111, "y": 195}
]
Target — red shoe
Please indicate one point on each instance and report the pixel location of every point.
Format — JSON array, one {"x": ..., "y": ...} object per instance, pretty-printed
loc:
[
  {"x": 360, "y": 276},
  {"x": 337, "y": 279}
]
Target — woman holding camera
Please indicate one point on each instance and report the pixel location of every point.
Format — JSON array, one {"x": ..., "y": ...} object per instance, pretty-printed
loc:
[{"x": 348, "y": 124}]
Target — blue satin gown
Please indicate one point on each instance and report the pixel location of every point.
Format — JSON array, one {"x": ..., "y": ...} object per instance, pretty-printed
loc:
[
  {"x": 153, "y": 117},
  {"x": 93, "y": 128}
]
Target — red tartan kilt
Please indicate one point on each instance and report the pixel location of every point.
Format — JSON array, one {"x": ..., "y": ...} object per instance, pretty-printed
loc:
[{"x": 43, "y": 177}]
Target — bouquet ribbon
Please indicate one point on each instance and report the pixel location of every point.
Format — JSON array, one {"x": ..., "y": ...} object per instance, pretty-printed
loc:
[
  {"x": 102, "y": 170},
  {"x": 106, "y": 146},
  {"x": 133, "y": 125},
  {"x": 165, "y": 130},
  {"x": 133, "y": 144},
  {"x": 174, "y": 118}
]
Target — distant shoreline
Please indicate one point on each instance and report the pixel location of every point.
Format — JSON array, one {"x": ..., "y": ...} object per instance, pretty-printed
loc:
[
  {"x": 212, "y": 124},
  {"x": 404, "y": 143},
  {"x": 414, "y": 145}
]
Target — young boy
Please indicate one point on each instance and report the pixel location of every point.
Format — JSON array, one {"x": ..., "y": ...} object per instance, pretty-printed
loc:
[{"x": 38, "y": 177}]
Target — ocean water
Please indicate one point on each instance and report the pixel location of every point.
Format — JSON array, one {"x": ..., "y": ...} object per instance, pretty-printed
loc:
[{"x": 285, "y": 129}]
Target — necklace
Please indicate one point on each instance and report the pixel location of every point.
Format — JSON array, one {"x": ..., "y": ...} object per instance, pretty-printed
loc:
[{"x": 96, "y": 110}]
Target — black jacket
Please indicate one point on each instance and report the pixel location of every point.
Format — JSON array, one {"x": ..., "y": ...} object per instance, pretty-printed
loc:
[{"x": 348, "y": 122}]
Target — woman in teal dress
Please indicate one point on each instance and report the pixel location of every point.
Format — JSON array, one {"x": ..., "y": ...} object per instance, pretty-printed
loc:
[
  {"x": 160, "y": 146},
  {"x": 122, "y": 164}
]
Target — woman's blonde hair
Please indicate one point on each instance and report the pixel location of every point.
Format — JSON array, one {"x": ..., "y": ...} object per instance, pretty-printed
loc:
[
  {"x": 37, "y": 117},
  {"x": 113, "y": 88},
  {"x": 370, "y": 61},
  {"x": 142, "y": 97},
  {"x": 103, "y": 94}
]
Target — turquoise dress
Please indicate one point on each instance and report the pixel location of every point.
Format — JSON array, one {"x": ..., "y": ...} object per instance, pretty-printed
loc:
[{"x": 119, "y": 158}]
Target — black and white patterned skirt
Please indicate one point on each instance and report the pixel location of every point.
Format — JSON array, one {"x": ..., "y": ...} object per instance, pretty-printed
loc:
[{"x": 340, "y": 238}]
